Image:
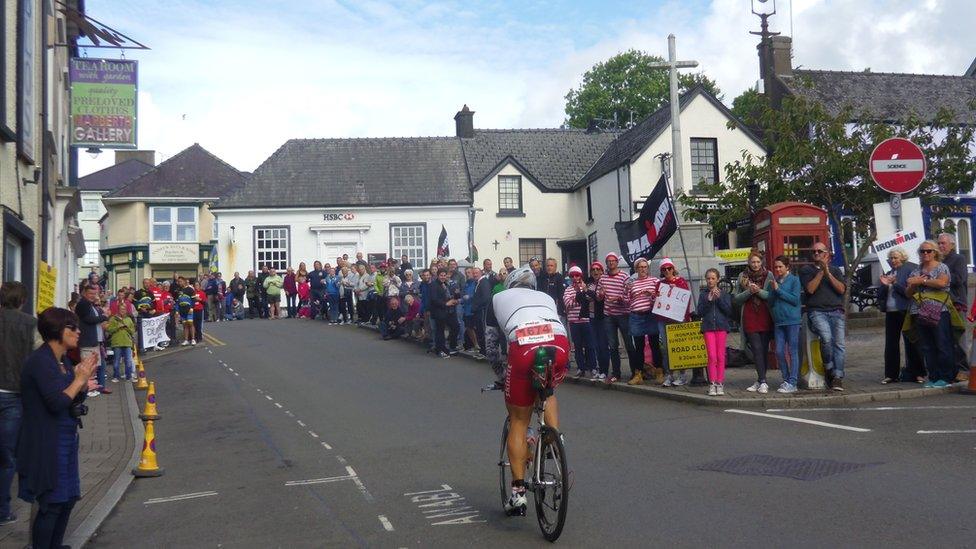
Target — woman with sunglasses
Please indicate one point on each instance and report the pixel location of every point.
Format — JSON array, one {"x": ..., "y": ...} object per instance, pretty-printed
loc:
[
  {"x": 641, "y": 292},
  {"x": 47, "y": 452},
  {"x": 894, "y": 303},
  {"x": 931, "y": 313},
  {"x": 598, "y": 321},
  {"x": 669, "y": 275},
  {"x": 579, "y": 299}
]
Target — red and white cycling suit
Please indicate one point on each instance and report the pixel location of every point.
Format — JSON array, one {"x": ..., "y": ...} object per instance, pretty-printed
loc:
[{"x": 515, "y": 308}]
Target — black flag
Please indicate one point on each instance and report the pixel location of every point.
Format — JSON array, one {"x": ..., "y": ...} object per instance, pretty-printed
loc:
[
  {"x": 646, "y": 235},
  {"x": 443, "y": 246}
]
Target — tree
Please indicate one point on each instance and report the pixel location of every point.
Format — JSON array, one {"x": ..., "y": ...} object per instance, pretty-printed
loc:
[
  {"x": 822, "y": 158},
  {"x": 625, "y": 84},
  {"x": 748, "y": 104}
]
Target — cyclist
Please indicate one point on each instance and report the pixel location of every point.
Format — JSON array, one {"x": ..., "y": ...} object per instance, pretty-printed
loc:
[{"x": 519, "y": 306}]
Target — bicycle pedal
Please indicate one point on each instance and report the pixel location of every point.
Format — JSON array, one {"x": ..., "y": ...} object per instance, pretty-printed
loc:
[{"x": 517, "y": 512}]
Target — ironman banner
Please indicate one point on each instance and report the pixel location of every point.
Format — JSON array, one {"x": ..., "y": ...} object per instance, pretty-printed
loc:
[{"x": 897, "y": 165}]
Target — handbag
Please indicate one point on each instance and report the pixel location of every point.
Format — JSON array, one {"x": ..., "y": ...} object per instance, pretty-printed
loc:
[{"x": 930, "y": 311}]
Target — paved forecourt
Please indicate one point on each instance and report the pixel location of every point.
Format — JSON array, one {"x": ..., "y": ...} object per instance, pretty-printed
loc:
[{"x": 295, "y": 433}]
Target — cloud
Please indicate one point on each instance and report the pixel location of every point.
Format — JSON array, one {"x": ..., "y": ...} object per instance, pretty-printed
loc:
[{"x": 240, "y": 78}]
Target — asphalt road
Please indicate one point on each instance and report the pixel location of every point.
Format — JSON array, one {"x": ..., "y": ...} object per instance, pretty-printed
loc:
[{"x": 299, "y": 434}]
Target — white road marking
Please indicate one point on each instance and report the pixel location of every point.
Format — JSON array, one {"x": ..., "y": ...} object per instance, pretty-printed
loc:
[
  {"x": 230, "y": 369},
  {"x": 351, "y": 471},
  {"x": 386, "y": 523},
  {"x": 326, "y": 446},
  {"x": 209, "y": 351},
  {"x": 947, "y": 432},
  {"x": 268, "y": 397},
  {"x": 313, "y": 434},
  {"x": 278, "y": 405},
  {"x": 319, "y": 480},
  {"x": 874, "y": 409},
  {"x": 300, "y": 422},
  {"x": 341, "y": 459},
  {"x": 260, "y": 391},
  {"x": 180, "y": 497},
  {"x": 237, "y": 374},
  {"x": 801, "y": 420},
  {"x": 289, "y": 414}
]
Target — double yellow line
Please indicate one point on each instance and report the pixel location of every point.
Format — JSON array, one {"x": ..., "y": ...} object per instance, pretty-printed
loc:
[{"x": 212, "y": 340}]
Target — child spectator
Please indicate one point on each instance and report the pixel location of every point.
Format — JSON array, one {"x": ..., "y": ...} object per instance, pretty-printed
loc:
[
  {"x": 198, "y": 302},
  {"x": 304, "y": 292},
  {"x": 715, "y": 308},
  {"x": 120, "y": 331}
]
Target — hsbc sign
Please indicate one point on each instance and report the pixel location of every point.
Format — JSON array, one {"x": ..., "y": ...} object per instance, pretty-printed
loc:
[{"x": 338, "y": 216}]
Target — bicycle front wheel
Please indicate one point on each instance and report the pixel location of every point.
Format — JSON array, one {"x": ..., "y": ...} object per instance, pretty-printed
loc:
[
  {"x": 552, "y": 491},
  {"x": 504, "y": 471}
]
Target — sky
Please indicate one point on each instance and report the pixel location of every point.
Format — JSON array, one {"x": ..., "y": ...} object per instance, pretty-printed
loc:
[{"x": 242, "y": 77}]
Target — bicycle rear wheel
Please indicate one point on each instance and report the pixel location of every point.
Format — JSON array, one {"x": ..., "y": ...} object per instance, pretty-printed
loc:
[
  {"x": 504, "y": 471},
  {"x": 552, "y": 491}
]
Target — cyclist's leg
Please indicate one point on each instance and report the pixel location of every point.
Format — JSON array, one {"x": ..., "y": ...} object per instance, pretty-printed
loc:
[
  {"x": 519, "y": 417},
  {"x": 552, "y": 412}
]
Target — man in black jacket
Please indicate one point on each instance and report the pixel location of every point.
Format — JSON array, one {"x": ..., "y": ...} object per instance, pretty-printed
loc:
[
  {"x": 18, "y": 331},
  {"x": 444, "y": 312},
  {"x": 394, "y": 320},
  {"x": 553, "y": 283},
  {"x": 480, "y": 304},
  {"x": 958, "y": 290},
  {"x": 90, "y": 317},
  {"x": 263, "y": 293}
]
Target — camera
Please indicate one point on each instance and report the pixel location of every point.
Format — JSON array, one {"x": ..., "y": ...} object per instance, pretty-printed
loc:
[{"x": 78, "y": 409}]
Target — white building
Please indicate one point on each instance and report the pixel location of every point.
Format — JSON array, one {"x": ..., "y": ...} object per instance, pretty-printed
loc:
[
  {"x": 128, "y": 166},
  {"x": 615, "y": 187},
  {"x": 316, "y": 199}
]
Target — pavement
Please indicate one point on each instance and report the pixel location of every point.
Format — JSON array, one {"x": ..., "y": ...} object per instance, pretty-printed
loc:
[{"x": 298, "y": 434}]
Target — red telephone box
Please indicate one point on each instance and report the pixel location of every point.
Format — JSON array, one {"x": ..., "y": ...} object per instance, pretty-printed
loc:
[{"x": 790, "y": 229}]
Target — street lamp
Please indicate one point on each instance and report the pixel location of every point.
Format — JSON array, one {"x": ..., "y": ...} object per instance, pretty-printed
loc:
[{"x": 764, "y": 7}]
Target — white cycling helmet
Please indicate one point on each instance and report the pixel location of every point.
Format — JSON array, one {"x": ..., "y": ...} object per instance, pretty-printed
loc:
[{"x": 522, "y": 277}]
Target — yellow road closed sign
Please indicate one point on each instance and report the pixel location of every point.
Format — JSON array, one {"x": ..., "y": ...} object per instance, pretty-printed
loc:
[{"x": 686, "y": 346}]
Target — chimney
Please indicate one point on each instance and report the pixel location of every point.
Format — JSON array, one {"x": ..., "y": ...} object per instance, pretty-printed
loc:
[
  {"x": 782, "y": 53},
  {"x": 149, "y": 157},
  {"x": 775, "y": 59},
  {"x": 464, "y": 122}
]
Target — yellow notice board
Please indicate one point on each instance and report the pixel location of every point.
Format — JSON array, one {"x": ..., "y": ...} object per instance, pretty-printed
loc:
[
  {"x": 686, "y": 346},
  {"x": 47, "y": 280},
  {"x": 734, "y": 255}
]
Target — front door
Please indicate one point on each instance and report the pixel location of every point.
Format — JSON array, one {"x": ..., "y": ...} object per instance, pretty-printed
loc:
[
  {"x": 574, "y": 253},
  {"x": 332, "y": 250}
]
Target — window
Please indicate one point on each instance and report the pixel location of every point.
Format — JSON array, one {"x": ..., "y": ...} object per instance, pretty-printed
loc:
[
  {"x": 530, "y": 248},
  {"x": 271, "y": 247},
  {"x": 510, "y": 194},
  {"x": 591, "y": 247},
  {"x": 91, "y": 208},
  {"x": 12, "y": 260},
  {"x": 704, "y": 162},
  {"x": 173, "y": 224},
  {"x": 589, "y": 205},
  {"x": 409, "y": 240},
  {"x": 91, "y": 253}
]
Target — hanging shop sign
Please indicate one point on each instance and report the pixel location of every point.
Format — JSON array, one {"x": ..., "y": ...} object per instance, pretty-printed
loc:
[{"x": 104, "y": 98}]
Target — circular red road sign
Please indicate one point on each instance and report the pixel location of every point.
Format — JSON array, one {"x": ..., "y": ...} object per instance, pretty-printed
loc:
[{"x": 897, "y": 165}]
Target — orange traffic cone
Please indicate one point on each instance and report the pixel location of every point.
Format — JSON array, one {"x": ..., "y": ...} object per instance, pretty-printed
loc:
[
  {"x": 147, "y": 464},
  {"x": 149, "y": 412},
  {"x": 971, "y": 386}
]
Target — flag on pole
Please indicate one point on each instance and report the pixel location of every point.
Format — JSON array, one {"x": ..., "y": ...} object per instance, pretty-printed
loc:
[
  {"x": 646, "y": 235},
  {"x": 443, "y": 246}
]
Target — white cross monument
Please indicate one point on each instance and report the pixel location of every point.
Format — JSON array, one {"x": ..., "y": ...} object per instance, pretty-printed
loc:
[{"x": 672, "y": 64}]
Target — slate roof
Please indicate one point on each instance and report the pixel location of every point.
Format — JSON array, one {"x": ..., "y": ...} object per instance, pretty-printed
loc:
[
  {"x": 192, "y": 173},
  {"x": 887, "y": 97},
  {"x": 113, "y": 177},
  {"x": 634, "y": 141},
  {"x": 393, "y": 171},
  {"x": 554, "y": 159}
]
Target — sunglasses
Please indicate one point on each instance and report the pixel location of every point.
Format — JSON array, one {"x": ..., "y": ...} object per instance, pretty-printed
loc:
[
  {"x": 819, "y": 252},
  {"x": 72, "y": 327},
  {"x": 596, "y": 268},
  {"x": 926, "y": 251}
]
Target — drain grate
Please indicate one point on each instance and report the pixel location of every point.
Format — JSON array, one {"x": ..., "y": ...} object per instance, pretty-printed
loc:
[{"x": 759, "y": 465}]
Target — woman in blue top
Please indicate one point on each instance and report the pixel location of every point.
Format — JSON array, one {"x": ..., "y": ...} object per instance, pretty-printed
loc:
[
  {"x": 47, "y": 449},
  {"x": 784, "y": 300},
  {"x": 332, "y": 283}
]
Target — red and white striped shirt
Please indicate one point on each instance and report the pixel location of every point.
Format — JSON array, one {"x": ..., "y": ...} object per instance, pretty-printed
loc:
[
  {"x": 640, "y": 302},
  {"x": 572, "y": 307},
  {"x": 613, "y": 287}
]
